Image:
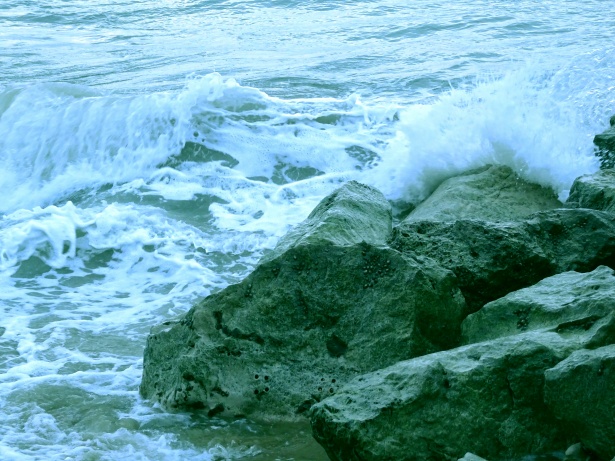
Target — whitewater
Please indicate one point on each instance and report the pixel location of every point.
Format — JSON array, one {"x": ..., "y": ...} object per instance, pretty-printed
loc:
[{"x": 152, "y": 151}]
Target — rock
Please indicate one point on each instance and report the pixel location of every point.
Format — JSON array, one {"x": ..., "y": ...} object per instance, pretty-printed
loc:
[
  {"x": 576, "y": 453},
  {"x": 605, "y": 146},
  {"x": 492, "y": 259},
  {"x": 486, "y": 398},
  {"x": 352, "y": 214},
  {"x": 581, "y": 392},
  {"x": 301, "y": 325},
  {"x": 595, "y": 191},
  {"x": 490, "y": 193},
  {"x": 471, "y": 457},
  {"x": 567, "y": 299}
]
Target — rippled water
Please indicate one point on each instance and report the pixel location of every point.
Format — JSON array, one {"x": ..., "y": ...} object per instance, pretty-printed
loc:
[{"x": 151, "y": 151}]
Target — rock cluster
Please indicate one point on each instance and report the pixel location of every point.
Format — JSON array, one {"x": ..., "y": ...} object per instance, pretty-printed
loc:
[
  {"x": 481, "y": 326},
  {"x": 329, "y": 305}
]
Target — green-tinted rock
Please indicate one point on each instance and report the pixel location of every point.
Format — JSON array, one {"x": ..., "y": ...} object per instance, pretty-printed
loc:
[
  {"x": 605, "y": 146},
  {"x": 492, "y": 259},
  {"x": 490, "y": 193},
  {"x": 570, "y": 298},
  {"x": 486, "y": 398},
  {"x": 352, "y": 214},
  {"x": 595, "y": 191},
  {"x": 298, "y": 327},
  {"x": 581, "y": 392},
  {"x": 304, "y": 323}
]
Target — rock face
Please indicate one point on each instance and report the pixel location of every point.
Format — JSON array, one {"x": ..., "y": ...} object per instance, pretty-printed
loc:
[
  {"x": 352, "y": 214},
  {"x": 567, "y": 300},
  {"x": 303, "y": 323},
  {"x": 605, "y": 144},
  {"x": 493, "y": 259},
  {"x": 486, "y": 398},
  {"x": 491, "y": 193},
  {"x": 581, "y": 392},
  {"x": 595, "y": 191},
  {"x": 489, "y": 397}
]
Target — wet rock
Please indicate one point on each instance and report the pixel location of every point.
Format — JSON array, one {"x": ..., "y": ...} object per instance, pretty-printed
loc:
[
  {"x": 595, "y": 191},
  {"x": 471, "y": 457},
  {"x": 352, "y": 214},
  {"x": 605, "y": 146},
  {"x": 576, "y": 452},
  {"x": 580, "y": 391},
  {"x": 491, "y": 193},
  {"x": 304, "y": 323},
  {"x": 485, "y": 397},
  {"x": 492, "y": 259},
  {"x": 568, "y": 300}
]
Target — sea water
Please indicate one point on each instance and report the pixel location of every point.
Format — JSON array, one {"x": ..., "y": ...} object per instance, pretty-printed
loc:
[{"x": 151, "y": 151}]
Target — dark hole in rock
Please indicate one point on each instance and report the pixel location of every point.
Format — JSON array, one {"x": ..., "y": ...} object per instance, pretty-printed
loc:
[
  {"x": 336, "y": 346},
  {"x": 216, "y": 410},
  {"x": 195, "y": 406},
  {"x": 305, "y": 406}
]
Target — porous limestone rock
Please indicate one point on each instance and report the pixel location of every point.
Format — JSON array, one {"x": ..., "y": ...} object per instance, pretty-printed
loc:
[
  {"x": 490, "y": 193},
  {"x": 595, "y": 191},
  {"x": 605, "y": 146},
  {"x": 486, "y": 398},
  {"x": 581, "y": 392},
  {"x": 352, "y": 214},
  {"x": 566, "y": 299},
  {"x": 302, "y": 324},
  {"x": 492, "y": 259}
]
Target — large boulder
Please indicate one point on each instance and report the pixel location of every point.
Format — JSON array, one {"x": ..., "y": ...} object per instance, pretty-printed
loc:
[
  {"x": 581, "y": 392},
  {"x": 491, "y": 259},
  {"x": 605, "y": 146},
  {"x": 567, "y": 299},
  {"x": 486, "y": 398},
  {"x": 490, "y": 193},
  {"x": 303, "y": 323},
  {"x": 595, "y": 191}
]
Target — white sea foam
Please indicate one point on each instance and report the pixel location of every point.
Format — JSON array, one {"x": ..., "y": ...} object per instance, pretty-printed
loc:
[{"x": 529, "y": 120}]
